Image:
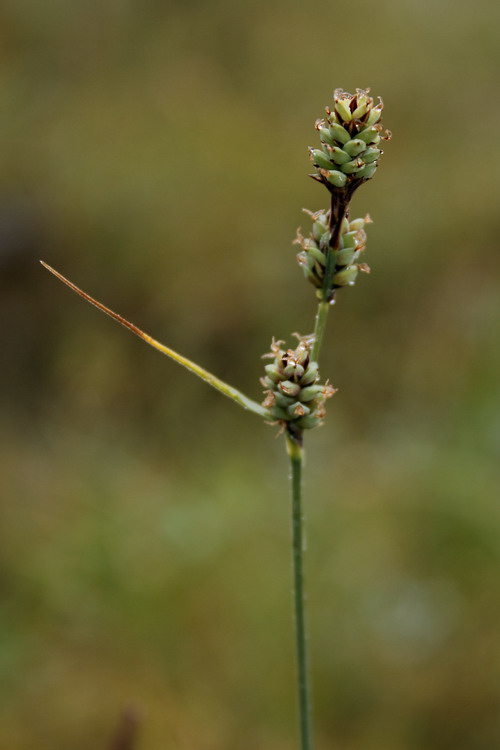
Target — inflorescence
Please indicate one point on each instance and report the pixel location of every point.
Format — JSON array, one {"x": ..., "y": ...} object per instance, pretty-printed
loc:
[
  {"x": 315, "y": 248},
  {"x": 294, "y": 395},
  {"x": 351, "y": 136}
]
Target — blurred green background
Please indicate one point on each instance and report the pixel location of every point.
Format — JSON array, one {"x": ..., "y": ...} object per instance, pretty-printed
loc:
[{"x": 155, "y": 152}]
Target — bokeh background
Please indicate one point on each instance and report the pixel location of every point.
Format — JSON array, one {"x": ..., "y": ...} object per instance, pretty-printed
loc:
[{"x": 155, "y": 152}]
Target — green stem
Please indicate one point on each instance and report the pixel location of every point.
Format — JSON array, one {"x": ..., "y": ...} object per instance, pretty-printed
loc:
[
  {"x": 319, "y": 328},
  {"x": 296, "y": 454}
]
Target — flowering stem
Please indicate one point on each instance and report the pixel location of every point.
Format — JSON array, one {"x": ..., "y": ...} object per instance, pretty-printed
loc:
[
  {"x": 338, "y": 210},
  {"x": 296, "y": 454},
  {"x": 215, "y": 382}
]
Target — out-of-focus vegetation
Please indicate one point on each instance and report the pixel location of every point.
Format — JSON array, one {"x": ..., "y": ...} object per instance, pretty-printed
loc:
[{"x": 156, "y": 154}]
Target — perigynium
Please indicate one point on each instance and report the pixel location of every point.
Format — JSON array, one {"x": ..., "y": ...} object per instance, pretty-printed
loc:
[{"x": 331, "y": 257}]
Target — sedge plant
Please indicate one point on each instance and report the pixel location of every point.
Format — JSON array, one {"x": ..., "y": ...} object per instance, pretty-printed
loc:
[{"x": 350, "y": 139}]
